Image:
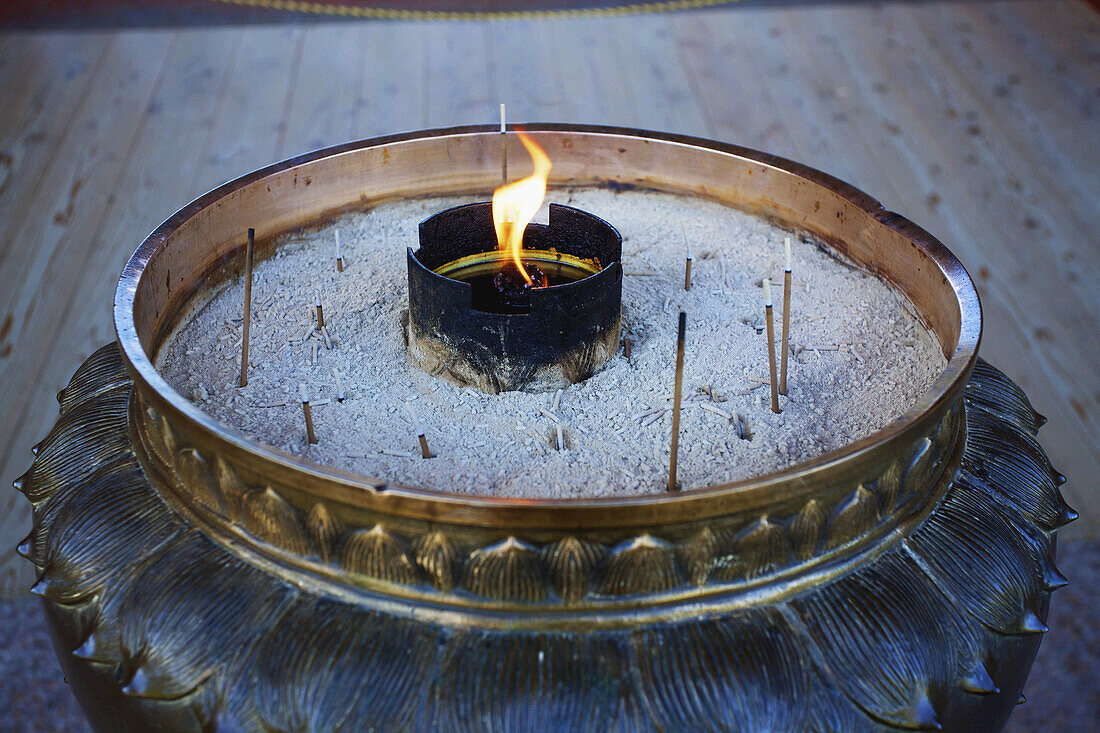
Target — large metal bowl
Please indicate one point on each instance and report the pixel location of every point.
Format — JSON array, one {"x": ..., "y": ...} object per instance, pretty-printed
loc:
[{"x": 205, "y": 579}]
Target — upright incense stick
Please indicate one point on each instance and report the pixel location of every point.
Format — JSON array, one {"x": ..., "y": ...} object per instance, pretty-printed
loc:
[
  {"x": 771, "y": 342},
  {"x": 247, "y": 305},
  {"x": 687, "y": 265},
  {"x": 339, "y": 254},
  {"x": 673, "y": 484},
  {"x": 320, "y": 312},
  {"x": 424, "y": 451},
  {"x": 503, "y": 147},
  {"x": 340, "y": 396},
  {"x": 786, "y": 320},
  {"x": 308, "y": 412}
]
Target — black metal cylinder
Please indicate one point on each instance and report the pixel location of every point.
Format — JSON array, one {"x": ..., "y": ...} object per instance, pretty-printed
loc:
[{"x": 563, "y": 335}]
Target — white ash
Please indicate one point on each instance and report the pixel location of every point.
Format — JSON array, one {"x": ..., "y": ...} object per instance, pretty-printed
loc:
[{"x": 860, "y": 359}]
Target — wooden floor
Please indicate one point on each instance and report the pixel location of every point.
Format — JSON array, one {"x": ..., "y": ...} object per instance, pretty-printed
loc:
[{"x": 978, "y": 121}]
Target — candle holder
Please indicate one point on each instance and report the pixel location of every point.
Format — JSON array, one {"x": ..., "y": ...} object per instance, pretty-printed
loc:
[
  {"x": 469, "y": 323},
  {"x": 195, "y": 579}
]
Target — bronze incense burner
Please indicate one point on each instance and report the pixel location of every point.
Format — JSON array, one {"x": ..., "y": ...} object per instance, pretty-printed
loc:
[{"x": 195, "y": 579}]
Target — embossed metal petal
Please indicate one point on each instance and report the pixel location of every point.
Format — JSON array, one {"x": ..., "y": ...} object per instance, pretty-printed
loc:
[
  {"x": 539, "y": 682},
  {"x": 437, "y": 557},
  {"x": 917, "y": 472},
  {"x": 887, "y": 487},
  {"x": 363, "y": 671},
  {"x": 102, "y": 372},
  {"x": 506, "y": 571},
  {"x": 570, "y": 562},
  {"x": 760, "y": 548},
  {"x": 806, "y": 529},
  {"x": 324, "y": 530},
  {"x": 85, "y": 438},
  {"x": 269, "y": 517},
  {"x": 200, "y": 481},
  {"x": 722, "y": 674},
  {"x": 981, "y": 561},
  {"x": 853, "y": 517},
  {"x": 641, "y": 565},
  {"x": 889, "y": 639},
  {"x": 195, "y": 592},
  {"x": 1015, "y": 469},
  {"x": 376, "y": 553},
  {"x": 990, "y": 390},
  {"x": 112, "y": 521}
]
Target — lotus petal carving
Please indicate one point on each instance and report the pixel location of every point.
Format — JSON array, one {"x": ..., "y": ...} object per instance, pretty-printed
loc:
[
  {"x": 506, "y": 571},
  {"x": 570, "y": 562},
  {"x": 642, "y": 565},
  {"x": 376, "y": 553},
  {"x": 438, "y": 558},
  {"x": 324, "y": 530},
  {"x": 266, "y": 515}
]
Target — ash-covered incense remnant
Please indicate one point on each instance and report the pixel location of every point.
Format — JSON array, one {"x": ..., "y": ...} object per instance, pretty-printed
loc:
[
  {"x": 307, "y": 412},
  {"x": 320, "y": 313}
]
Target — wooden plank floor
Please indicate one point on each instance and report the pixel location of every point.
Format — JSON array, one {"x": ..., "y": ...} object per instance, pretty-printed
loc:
[{"x": 978, "y": 121}]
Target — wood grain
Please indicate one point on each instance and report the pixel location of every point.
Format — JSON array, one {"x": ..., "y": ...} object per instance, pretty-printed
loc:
[{"x": 978, "y": 121}]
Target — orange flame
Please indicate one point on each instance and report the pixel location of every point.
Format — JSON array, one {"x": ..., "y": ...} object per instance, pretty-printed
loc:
[{"x": 515, "y": 204}]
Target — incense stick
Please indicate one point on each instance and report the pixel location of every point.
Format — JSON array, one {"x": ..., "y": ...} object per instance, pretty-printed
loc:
[
  {"x": 249, "y": 250},
  {"x": 673, "y": 484},
  {"x": 340, "y": 397},
  {"x": 546, "y": 413},
  {"x": 687, "y": 264},
  {"x": 503, "y": 147},
  {"x": 308, "y": 412},
  {"x": 421, "y": 438},
  {"x": 320, "y": 312},
  {"x": 339, "y": 254},
  {"x": 771, "y": 343},
  {"x": 786, "y": 320}
]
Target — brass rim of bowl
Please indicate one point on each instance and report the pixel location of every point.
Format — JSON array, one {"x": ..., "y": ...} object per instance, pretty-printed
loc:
[{"x": 784, "y": 486}]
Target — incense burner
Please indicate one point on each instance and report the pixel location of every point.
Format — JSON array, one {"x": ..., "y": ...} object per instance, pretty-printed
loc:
[
  {"x": 552, "y": 336},
  {"x": 197, "y": 580}
]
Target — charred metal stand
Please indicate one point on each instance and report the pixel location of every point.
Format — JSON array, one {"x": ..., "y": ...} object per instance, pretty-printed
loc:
[{"x": 541, "y": 338}]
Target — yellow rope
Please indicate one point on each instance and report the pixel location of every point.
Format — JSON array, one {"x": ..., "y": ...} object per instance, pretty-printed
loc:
[{"x": 301, "y": 6}]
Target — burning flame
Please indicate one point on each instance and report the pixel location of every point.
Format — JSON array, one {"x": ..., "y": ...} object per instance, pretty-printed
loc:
[{"x": 515, "y": 204}]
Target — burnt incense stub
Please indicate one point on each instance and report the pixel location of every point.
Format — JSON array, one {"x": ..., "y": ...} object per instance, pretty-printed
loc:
[{"x": 474, "y": 318}]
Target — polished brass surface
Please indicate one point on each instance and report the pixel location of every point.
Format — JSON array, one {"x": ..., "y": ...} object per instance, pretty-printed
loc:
[{"x": 197, "y": 580}]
